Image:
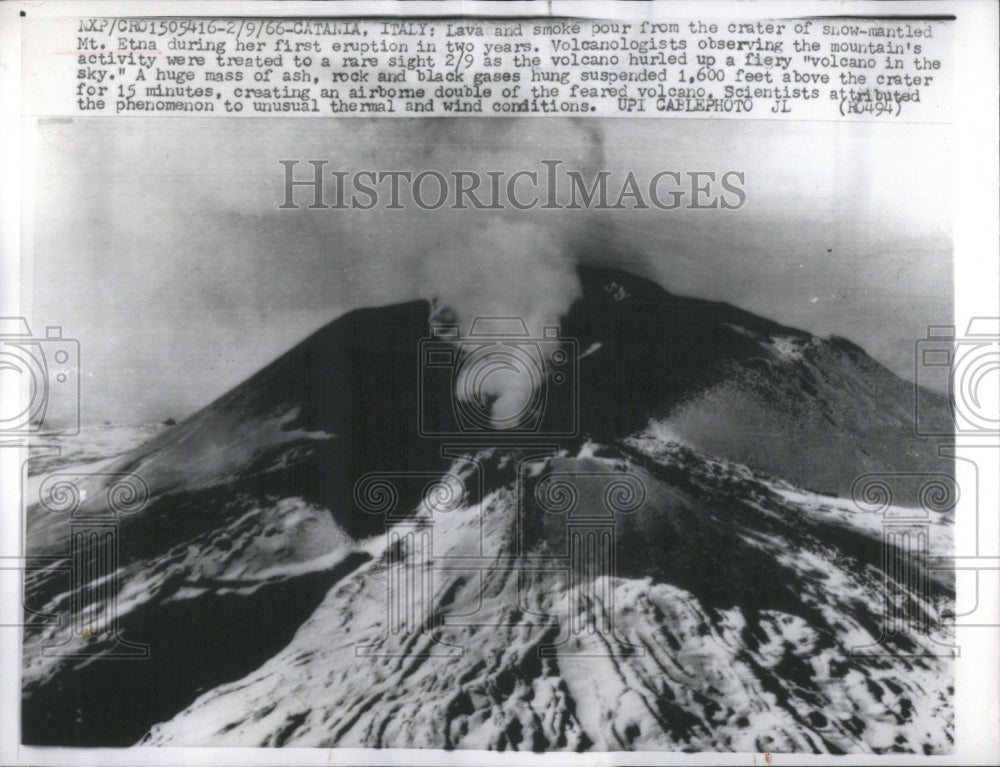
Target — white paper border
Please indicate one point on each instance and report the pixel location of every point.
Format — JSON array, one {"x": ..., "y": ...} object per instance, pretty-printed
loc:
[{"x": 977, "y": 277}]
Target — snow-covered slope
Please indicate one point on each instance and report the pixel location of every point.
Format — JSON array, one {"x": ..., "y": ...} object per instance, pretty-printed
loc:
[
  {"x": 689, "y": 572},
  {"x": 739, "y": 620}
]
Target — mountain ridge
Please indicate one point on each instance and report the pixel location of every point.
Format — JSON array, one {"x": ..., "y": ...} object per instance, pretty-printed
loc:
[{"x": 727, "y": 418}]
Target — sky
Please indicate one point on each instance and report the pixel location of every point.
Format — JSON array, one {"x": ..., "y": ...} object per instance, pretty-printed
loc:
[{"x": 159, "y": 244}]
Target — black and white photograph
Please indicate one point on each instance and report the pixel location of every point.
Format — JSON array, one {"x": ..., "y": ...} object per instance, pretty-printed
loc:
[{"x": 602, "y": 411}]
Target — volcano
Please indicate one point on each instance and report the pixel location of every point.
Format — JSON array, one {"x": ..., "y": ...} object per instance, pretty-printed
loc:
[{"x": 725, "y": 552}]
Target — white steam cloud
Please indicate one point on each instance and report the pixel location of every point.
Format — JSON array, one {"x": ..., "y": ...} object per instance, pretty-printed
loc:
[{"x": 507, "y": 263}]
